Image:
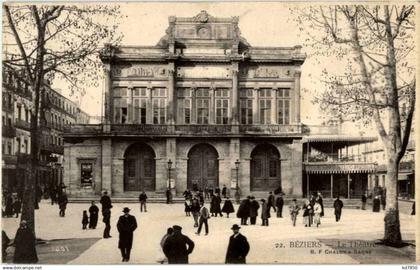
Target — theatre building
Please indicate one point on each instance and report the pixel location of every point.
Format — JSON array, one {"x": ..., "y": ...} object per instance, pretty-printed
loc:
[{"x": 203, "y": 101}]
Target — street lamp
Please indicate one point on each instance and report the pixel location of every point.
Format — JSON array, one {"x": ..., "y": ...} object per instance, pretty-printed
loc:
[
  {"x": 237, "y": 192},
  {"x": 169, "y": 179}
]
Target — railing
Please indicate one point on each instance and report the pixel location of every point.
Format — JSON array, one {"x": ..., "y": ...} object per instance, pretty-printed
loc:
[
  {"x": 339, "y": 167},
  {"x": 203, "y": 129},
  {"x": 323, "y": 157},
  {"x": 22, "y": 124},
  {"x": 52, "y": 148},
  {"x": 8, "y": 131},
  {"x": 269, "y": 129}
]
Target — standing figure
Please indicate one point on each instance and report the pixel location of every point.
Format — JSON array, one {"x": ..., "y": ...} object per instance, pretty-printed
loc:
[
  {"x": 217, "y": 190},
  {"x": 187, "y": 207},
  {"x": 383, "y": 200},
  {"x": 142, "y": 200},
  {"x": 106, "y": 214},
  {"x": 53, "y": 195},
  {"x": 338, "y": 205},
  {"x": 376, "y": 204},
  {"x": 279, "y": 205},
  {"x": 224, "y": 191},
  {"x": 228, "y": 207},
  {"x": 253, "y": 210},
  {"x": 177, "y": 247},
  {"x": 265, "y": 213},
  {"x": 93, "y": 215},
  {"x": 306, "y": 208},
  {"x": 169, "y": 232},
  {"x": 9, "y": 205},
  {"x": 364, "y": 200},
  {"x": 320, "y": 201},
  {"x": 215, "y": 205},
  {"x": 243, "y": 210},
  {"x": 206, "y": 193},
  {"x": 195, "y": 210},
  {"x": 294, "y": 211},
  {"x": 25, "y": 251},
  {"x": 317, "y": 213},
  {"x": 17, "y": 205},
  {"x": 85, "y": 220},
  {"x": 105, "y": 201},
  {"x": 238, "y": 247},
  {"x": 187, "y": 194},
  {"x": 126, "y": 226},
  {"x": 168, "y": 196},
  {"x": 413, "y": 209},
  {"x": 62, "y": 203},
  {"x": 204, "y": 216},
  {"x": 271, "y": 201}
]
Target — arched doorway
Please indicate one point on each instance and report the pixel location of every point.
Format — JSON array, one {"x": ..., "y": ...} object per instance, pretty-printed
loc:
[
  {"x": 139, "y": 168},
  {"x": 265, "y": 168},
  {"x": 203, "y": 167}
]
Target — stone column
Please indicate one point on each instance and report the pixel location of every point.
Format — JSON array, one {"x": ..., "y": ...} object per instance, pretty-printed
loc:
[
  {"x": 255, "y": 112},
  {"x": 130, "y": 106},
  {"x": 274, "y": 106},
  {"x": 171, "y": 155},
  {"x": 171, "y": 92},
  {"x": 108, "y": 112},
  {"x": 297, "y": 96},
  {"x": 234, "y": 154},
  {"x": 106, "y": 158},
  {"x": 212, "y": 111},
  {"x": 296, "y": 165},
  {"x": 235, "y": 94},
  {"x": 149, "y": 106}
]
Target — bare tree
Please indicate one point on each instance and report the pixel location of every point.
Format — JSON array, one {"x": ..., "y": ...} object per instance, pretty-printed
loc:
[
  {"x": 376, "y": 45},
  {"x": 54, "y": 42}
]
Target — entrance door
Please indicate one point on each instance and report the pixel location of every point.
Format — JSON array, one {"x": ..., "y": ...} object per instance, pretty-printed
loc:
[
  {"x": 203, "y": 167},
  {"x": 139, "y": 168},
  {"x": 265, "y": 168}
]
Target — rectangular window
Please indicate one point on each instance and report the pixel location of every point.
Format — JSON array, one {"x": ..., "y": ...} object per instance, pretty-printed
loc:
[
  {"x": 19, "y": 111},
  {"x": 140, "y": 109},
  {"x": 203, "y": 106},
  {"x": 222, "y": 107},
  {"x": 283, "y": 106},
  {"x": 18, "y": 145},
  {"x": 159, "y": 111},
  {"x": 120, "y": 110},
  {"x": 265, "y": 111},
  {"x": 25, "y": 145},
  {"x": 184, "y": 110},
  {"x": 246, "y": 111},
  {"x": 9, "y": 148},
  {"x": 86, "y": 173}
]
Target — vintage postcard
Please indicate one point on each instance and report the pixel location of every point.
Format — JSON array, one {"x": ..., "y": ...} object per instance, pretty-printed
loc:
[{"x": 209, "y": 133}]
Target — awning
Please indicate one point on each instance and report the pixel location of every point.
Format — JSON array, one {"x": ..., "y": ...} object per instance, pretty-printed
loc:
[
  {"x": 404, "y": 176},
  {"x": 339, "y": 138},
  {"x": 338, "y": 168}
]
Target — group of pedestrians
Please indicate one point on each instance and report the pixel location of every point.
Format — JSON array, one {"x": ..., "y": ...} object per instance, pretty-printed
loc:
[
  {"x": 92, "y": 219},
  {"x": 249, "y": 207},
  {"x": 12, "y": 205}
]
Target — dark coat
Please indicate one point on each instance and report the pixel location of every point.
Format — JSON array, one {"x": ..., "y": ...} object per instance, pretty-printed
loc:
[
  {"x": 17, "y": 205},
  {"x": 243, "y": 210},
  {"x": 376, "y": 205},
  {"x": 270, "y": 200},
  {"x": 279, "y": 202},
  {"x": 142, "y": 197},
  {"x": 320, "y": 201},
  {"x": 224, "y": 191},
  {"x": 265, "y": 211},
  {"x": 364, "y": 199},
  {"x": 338, "y": 205},
  {"x": 175, "y": 248},
  {"x": 25, "y": 251},
  {"x": 307, "y": 210},
  {"x": 85, "y": 219},
  {"x": 228, "y": 207},
  {"x": 237, "y": 250},
  {"x": 126, "y": 226},
  {"x": 215, "y": 204},
  {"x": 195, "y": 206},
  {"x": 187, "y": 206},
  {"x": 106, "y": 202},
  {"x": 253, "y": 208},
  {"x": 62, "y": 201}
]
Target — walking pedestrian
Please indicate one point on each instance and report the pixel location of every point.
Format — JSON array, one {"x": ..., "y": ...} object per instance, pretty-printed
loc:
[
  {"x": 106, "y": 214},
  {"x": 126, "y": 226},
  {"x": 253, "y": 210},
  {"x": 105, "y": 201},
  {"x": 306, "y": 208},
  {"x": 217, "y": 190},
  {"x": 265, "y": 213},
  {"x": 93, "y": 215},
  {"x": 228, "y": 207},
  {"x": 243, "y": 210},
  {"x": 25, "y": 251},
  {"x": 271, "y": 201},
  {"x": 224, "y": 191},
  {"x": 338, "y": 205},
  {"x": 187, "y": 207},
  {"x": 279, "y": 205},
  {"x": 204, "y": 217},
  {"x": 177, "y": 247},
  {"x": 195, "y": 210},
  {"x": 238, "y": 247},
  {"x": 364, "y": 200},
  {"x": 142, "y": 200},
  {"x": 321, "y": 202},
  {"x": 215, "y": 205},
  {"x": 168, "y": 196},
  {"x": 383, "y": 200},
  {"x": 9, "y": 205},
  {"x": 294, "y": 211},
  {"x": 17, "y": 205},
  {"x": 62, "y": 203},
  {"x": 85, "y": 220},
  {"x": 53, "y": 195},
  {"x": 376, "y": 204},
  {"x": 162, "y": 258},
  {"x": 317, "y": 213}
]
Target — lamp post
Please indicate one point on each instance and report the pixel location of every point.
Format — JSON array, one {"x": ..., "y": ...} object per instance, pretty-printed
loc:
[
  {"x": 237, "y": 192},
  {"x": 169, "y": 179}
]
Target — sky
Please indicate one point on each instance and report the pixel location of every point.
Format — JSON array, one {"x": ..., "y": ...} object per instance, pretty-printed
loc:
[{"x": 261, "y": 24}]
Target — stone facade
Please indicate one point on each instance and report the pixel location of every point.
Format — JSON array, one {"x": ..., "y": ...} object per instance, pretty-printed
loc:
[{"x": 202, "y": 98}]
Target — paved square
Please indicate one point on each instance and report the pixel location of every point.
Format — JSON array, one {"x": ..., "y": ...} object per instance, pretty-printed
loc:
[{"x": 268, "y": 244}]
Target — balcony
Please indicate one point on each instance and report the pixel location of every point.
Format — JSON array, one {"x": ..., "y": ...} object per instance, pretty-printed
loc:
[
  {"x": 52, "y": 148},
  {"x": 338, "y": 167},
  {"x": 8, "y": 131},
  {"x": 181, "y": 130},
  {"x": 21, "y": 124},
  {"x": 323, "y": 157}
]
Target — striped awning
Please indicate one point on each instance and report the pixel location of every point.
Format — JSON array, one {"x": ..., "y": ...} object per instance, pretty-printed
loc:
[
  {"x": 339, "y": 138},
  {"x": 338, "y": 168}
]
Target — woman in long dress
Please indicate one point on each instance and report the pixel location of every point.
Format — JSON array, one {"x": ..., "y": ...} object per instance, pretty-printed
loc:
[
  {"x": 228, "y": 207},
  {"x": 317, "y": 213}
]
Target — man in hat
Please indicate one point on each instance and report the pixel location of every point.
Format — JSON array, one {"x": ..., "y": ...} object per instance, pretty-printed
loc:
[
  {"x": 204, "y": 216},
  {"x": 126, "y": 225},
  {"x": 238, "y": 247},
  {"x": 25, "y": 251},
  {"x": 177, "y": 247}
]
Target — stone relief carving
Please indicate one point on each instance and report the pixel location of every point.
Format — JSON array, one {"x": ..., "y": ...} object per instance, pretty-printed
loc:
[
  {"x": 265, "y": 72},
  {"x": 140, "y": 71}
]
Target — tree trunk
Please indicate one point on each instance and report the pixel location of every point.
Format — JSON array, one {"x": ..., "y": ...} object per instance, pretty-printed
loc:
[{"x": 392, "y": 235}]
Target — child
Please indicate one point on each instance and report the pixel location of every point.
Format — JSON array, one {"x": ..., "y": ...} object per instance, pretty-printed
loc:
[
  {"x": 187, "y": 207},
  {"x": 85, "y": 220},
  {"x": 307, "y": 208},
  {"x": 294, "y": 211}
]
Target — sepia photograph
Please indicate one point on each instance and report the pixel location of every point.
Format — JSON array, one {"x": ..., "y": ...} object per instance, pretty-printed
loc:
[{"x": 159, "y": 133}]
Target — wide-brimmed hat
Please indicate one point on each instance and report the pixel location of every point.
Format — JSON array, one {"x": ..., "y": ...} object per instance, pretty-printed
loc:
[
  {"x": 235, "y": 227},
  {"x": 126, "y": 210}
]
